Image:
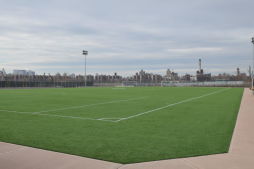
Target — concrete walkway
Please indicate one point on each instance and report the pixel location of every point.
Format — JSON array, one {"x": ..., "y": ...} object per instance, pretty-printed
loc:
[{"x": 240, "y": 156}]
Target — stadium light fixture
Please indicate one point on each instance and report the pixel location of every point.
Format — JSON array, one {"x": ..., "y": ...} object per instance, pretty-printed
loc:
[{"x": 85, "y": 53}]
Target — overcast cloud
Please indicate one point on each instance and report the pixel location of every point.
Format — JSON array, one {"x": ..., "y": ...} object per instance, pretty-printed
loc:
[{"x": 125, "y": 36}]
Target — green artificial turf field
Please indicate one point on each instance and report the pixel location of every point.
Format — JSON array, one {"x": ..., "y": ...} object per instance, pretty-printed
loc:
[{"x": 124, "y": 125}]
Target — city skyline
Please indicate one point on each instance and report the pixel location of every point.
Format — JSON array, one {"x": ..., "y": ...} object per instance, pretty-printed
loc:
[
  {"x": 24, "y": 72},
  {"x": 150, "y": 35}
]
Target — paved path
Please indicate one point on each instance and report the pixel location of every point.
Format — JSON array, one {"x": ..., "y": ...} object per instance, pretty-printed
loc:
[
  {"x": 21, "y": 157},
  {"x": 240, "y": 156}
]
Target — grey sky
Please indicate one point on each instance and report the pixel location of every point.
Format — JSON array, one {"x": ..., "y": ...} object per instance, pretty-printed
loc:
[{"x": 126, "y": 35}]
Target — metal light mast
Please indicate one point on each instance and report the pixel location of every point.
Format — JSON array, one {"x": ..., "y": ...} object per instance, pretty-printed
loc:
[
  {"x": 85, "y": 53},
  {"x": 252, "y": 77}
]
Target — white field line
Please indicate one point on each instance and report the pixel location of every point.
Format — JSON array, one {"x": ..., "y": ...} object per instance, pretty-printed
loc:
[
  {"x": 113, "y": 118},
  {"x": 88, "y": 105},
  {"x": 56, "y": 115},
  {"x": 170, "y": 105},
  {"x": 73, "y": 117},
  {"x": 13, "y": 111},
  {"x": 73, "y": 107}
]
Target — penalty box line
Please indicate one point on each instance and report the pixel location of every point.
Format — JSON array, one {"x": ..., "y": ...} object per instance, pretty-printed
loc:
[
  {"x": 88, "y": 105},
  {"x": 170, "y": 105},
  {"x": 62, "y": 116},
  {"x": 44, "y": 113}
]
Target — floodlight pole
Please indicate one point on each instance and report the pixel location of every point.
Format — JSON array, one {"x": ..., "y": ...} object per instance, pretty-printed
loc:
[
  {"x": 85, "y": 53},
  {"x": 252, "y": 77}
]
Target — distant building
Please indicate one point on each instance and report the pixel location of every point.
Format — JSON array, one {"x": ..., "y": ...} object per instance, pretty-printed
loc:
[
  {"x": 186, "y": 77},
  {"x": 228, "y": 77},
  {"x": 72, "y": 75},
  {"x": 238, "y": 71},
  {"x": 19, "y": 72},
  {"x": 240, "y": 76},
  {"x": 2, "y": 74},
  {"x": 170, "y": 75},
  {"x": 201, "y": 76},
  {"x": 24, "y": 72},
  {"x": 30, "y": 73},
  {"x": 144, "y": 77}
]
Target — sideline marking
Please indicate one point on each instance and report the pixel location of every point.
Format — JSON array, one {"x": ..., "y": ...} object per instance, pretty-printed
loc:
[
  {"x": 88, "y": 105},
  {"x": 173, "y": 104}
]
